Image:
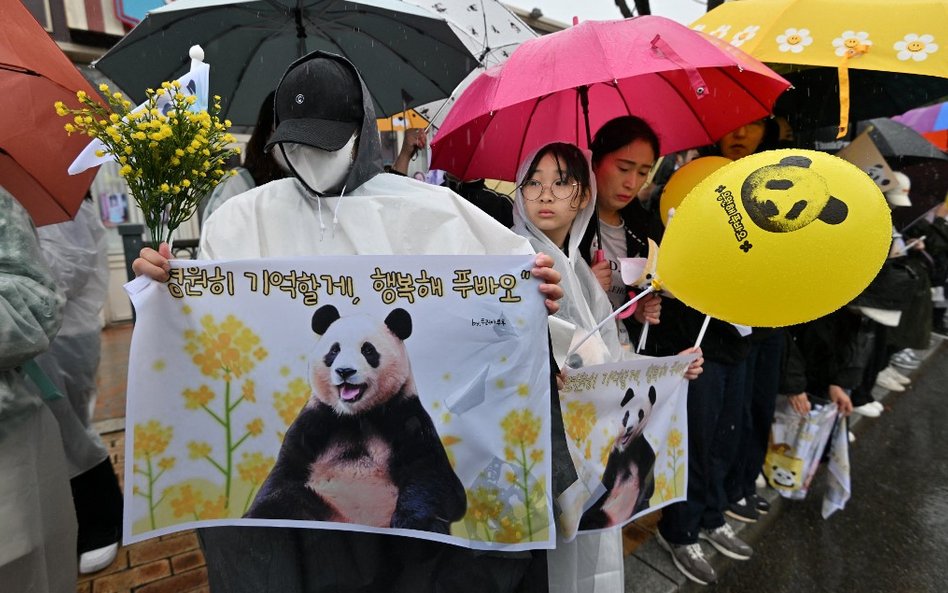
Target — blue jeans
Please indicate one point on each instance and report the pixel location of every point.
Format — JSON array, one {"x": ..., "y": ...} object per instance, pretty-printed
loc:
[{"x": 714, "y": 419}]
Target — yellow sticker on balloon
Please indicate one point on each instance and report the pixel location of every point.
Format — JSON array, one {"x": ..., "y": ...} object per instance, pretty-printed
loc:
[
  {"x": 685, "y": 179},
  {"x": 776, "y": 238}
]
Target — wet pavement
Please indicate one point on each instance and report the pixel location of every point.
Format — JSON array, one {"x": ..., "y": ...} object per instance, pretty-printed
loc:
[{"x": 893, "y": 535}]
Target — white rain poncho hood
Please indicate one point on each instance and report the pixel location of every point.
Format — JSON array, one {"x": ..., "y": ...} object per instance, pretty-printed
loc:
[{"x": 584, "y": 303}]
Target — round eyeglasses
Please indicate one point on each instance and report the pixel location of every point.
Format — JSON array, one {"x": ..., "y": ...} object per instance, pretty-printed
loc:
[{"x": 560, "y": 189}]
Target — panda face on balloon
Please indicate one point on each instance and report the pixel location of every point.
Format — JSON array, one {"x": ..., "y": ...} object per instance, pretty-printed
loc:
[{"x": 788, "y": 196}]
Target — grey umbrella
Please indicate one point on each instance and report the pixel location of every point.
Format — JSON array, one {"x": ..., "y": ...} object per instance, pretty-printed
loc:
[{"x": 407, "y": 55}]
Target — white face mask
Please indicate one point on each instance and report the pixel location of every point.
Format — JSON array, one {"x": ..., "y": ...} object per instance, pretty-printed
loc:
[{"x": 319, "y": 169}]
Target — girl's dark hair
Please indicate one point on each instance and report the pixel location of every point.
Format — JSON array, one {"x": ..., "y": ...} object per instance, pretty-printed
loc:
[
  {"x": 261, "y": 165},
  {"x": 571, "y": 160},
  {"x": 620, "y": 132}
]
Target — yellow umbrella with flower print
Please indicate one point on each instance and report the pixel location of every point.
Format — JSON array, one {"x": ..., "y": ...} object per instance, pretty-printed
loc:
[{"x": 905, "y": 36}]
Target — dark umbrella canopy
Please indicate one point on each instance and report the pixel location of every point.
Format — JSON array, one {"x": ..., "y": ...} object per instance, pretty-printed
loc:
[
  {"x": 813, "y": 102},
  {"x": 898, "y": 140},
  {"x": 899, "y": 144},
  {"x": 406, "y": 55}
]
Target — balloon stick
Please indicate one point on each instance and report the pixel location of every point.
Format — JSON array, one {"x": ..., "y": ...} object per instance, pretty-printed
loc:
[
  {"x": 608, "y": 319},
  {"x": 704, "y": 328}
]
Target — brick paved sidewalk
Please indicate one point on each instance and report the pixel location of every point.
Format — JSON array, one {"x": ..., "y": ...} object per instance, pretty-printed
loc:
[{"x": 170, "y": 564}]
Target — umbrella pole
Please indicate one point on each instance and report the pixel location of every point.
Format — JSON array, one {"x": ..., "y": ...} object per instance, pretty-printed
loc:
[{"x": 584, "y": 104}]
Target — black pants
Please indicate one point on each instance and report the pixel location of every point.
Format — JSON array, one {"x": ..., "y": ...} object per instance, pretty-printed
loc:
[
  {"x": 714, "y": 420},
  {"x": 760, "y": 401}
]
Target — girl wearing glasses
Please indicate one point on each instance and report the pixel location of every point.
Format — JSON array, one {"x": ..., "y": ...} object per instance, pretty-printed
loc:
[{"x": 555, "y": 201}]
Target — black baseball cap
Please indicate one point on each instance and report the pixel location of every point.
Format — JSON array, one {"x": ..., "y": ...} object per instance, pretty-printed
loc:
[{"x": 318, "y": 103}]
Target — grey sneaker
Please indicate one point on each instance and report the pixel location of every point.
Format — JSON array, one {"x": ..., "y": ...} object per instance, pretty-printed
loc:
[
  {"x": 726, "y": 541},
  {"x": 690, "y": 560}
]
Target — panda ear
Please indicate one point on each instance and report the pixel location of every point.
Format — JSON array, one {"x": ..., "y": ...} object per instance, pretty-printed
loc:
[
  {"x": 399, "y": 322},
  {"x": 797, "y": 161},
  {"x": 323, "y": 318},
  {"x": 834, "y": 212},
  {"x": 629, "y": 394},
  {"x": 652, "y": 396}
]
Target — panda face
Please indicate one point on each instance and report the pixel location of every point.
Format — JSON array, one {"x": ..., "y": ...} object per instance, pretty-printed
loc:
[
  {"x": 788, "y": 196},
  {"x": 359, "y": 362},
  {"x": 783, "y": 476},
  {"x": 634, "y": 420}
]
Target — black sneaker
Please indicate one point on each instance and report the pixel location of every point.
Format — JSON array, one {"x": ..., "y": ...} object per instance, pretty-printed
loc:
[
  {"x": 761, "y": 504},
  {"x": 743, "y": 510},
  {"x": 690, "y": 560}
]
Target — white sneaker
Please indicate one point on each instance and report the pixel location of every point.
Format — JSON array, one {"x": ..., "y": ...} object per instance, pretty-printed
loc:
[
  {"x": 888, "y": 382},
  {"x": 868, "y": 410},
  {"x": 877, "y": 405},
  {"x": 895, "y": 374},
  {"x": 96, "y": 560}
]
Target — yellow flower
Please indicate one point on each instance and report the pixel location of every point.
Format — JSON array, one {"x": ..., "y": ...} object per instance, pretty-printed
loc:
[
  {"x": 536, "y": 455},
  {"x": 214, "y": 510},
  {"x": 80, "y": 95},
  {"x": 509, "y": 532},
  {"x": 125, "y": 170},
  {"x": 248, "y": 391},
  {"x": 198, "y": 449},
  {"x": 521, "y": 428},
  {"x": 151, "y": 439},
  {"x": 100, "y": 153},
  {"x": 289, "y": 403},
  {"x": 579, "y": 419},
  {"x": 176, "y": 84},
  {"x": 196, "y": 398},
  {"x": 484, "y": 504},
  {"x": 166, "y": 463},
  {"x": 116, "y": 95},
  {"x": 255, "y": 426},
  {"x": 674, "y": 438},
  {"x": 70, "y": 128},
  {"x": 179, "y": 152},
  {"x": 104, "y": 87},
  {"x": 255, "y": 467},
  {"x": 187, "y": 503},
  {"x": 164, "y": 188},
  {"x": 139, "y": 136}
]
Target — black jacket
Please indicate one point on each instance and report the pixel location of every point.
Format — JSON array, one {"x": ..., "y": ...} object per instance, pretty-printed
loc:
[{"x": 831, "y": 350}]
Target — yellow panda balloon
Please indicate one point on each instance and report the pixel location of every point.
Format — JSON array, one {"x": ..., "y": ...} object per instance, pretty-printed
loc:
[
  {"x": 685, "y": 179},
  {"x": 776, "y": 238}
]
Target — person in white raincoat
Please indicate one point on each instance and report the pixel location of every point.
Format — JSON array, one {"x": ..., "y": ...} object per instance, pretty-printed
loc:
[
  {"x": 77, "y": 254},
  {"x": 589, "y": 563},
  {"x": 338, "y": 202},
  {"x": 37, "y": 522}
]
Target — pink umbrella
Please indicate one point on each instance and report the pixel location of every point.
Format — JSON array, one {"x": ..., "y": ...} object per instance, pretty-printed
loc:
[{"x": 692, "y": 89}]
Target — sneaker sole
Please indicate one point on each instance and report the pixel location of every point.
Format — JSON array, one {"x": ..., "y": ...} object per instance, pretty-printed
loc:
[
  {"x": 729, "y": 553},
  {"x": 739, "y": 517},
  {"x": 666, "y": 546}
]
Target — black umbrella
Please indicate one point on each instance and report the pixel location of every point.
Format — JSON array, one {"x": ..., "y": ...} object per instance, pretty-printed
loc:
[
  {"x": 813, "y": 102},
  {"x": 897, "y": 140}
]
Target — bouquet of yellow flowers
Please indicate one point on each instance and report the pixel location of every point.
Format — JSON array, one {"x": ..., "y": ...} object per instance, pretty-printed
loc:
[{"x": 170, "y": 155}]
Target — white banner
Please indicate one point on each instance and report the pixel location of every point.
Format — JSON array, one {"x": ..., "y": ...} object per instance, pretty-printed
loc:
[
  {"x": 407, "y": 395},
  {"x": 626, "y": 425}
]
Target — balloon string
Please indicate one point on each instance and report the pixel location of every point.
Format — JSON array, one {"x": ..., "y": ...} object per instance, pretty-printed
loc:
[
  {"x": 608, "y": 319},
  {"x": 704, "y": 328}
]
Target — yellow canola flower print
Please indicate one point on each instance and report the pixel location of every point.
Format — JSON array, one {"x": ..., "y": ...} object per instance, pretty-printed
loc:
[
  {"x": 151, "y": 441},
  {"x": 289, "y": 403},
  {"x": 224, "y": 351},
  {"x": 254, "y": 469},
  {"x": 521, "y": 430}
]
